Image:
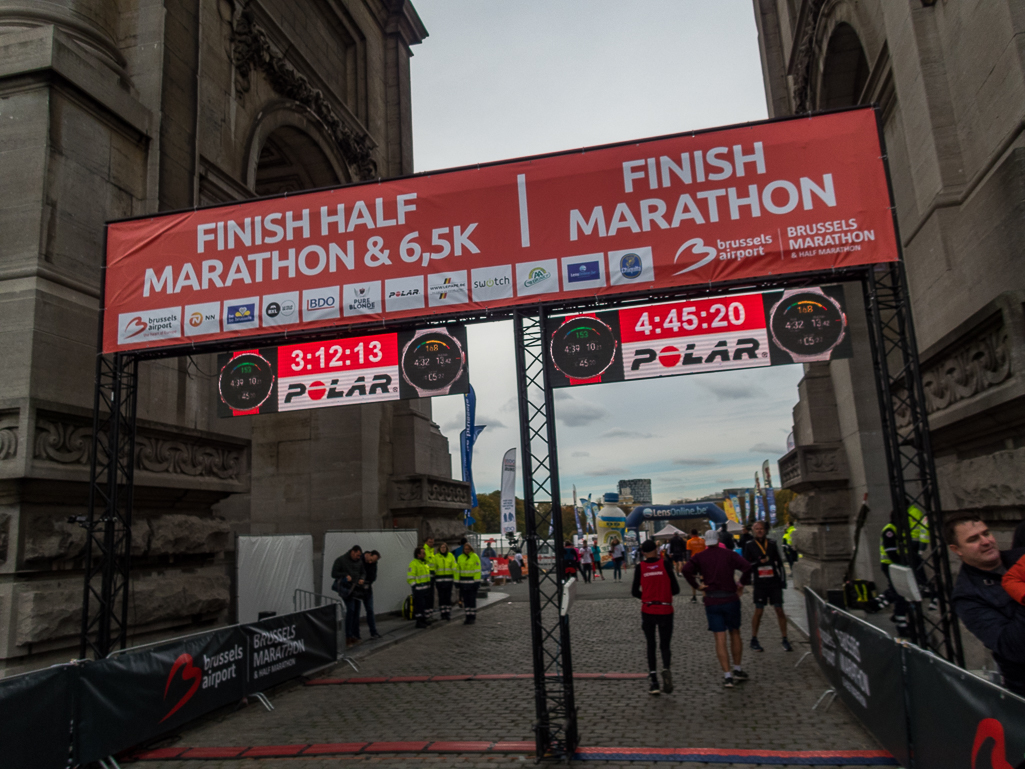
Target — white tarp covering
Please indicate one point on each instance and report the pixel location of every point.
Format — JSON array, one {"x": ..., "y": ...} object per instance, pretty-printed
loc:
[
  {"x": 270, "y": 568},
  {"x": 396, "y": 548}
]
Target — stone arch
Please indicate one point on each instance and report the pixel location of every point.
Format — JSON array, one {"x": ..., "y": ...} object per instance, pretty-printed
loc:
[
  {"x": 844, "y": 70},
  {"x": 288, "y": 150}
]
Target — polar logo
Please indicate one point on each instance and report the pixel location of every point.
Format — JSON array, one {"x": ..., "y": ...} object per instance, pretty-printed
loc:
[{"x": 697, "y": 245}]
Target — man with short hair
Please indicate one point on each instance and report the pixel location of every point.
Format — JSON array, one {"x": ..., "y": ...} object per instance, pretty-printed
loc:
[
  {"x": 716, "y": 566},
  {"x": 655, "y": 584},
  {"x": 769, "y": 581},
  {"x": 745, "y": 537},
  {"x": 979, "y": 600},
  {"x": 677, "y": 547},
  {"x": 370, "y": 566},
  {"x": 349, "y": 575}
]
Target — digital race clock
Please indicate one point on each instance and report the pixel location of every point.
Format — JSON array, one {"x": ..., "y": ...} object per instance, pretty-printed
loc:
[
  {"x": 432, "y": 361},
  {"x": 808, "y": 324},
  {"x": 246, "y": 381},
  {"x": 583, "y": 348}
]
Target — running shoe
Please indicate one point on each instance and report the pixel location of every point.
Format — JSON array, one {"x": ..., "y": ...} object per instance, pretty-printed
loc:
[
  {"x": 653, "y": 687},
  {"x": 755, "y": 646},
  {"x": 667, "y": 681},
  {"x": 740, "y": 675},
  {"x": 693, "y": 599},
  {"x": 786, "y": 646},
  {"x": 727, "y": 682}
]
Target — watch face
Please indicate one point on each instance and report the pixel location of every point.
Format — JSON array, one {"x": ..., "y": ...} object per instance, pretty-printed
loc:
[
  {"x": 807, "y": 323},
  {"x": 432, "y": 361},
  {"x": 583, "y": 348},
  {"x": 246, "y": 381}
]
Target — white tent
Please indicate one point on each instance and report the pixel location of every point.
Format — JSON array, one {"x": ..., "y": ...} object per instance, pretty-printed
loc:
[{"x": 669, "y": 531}]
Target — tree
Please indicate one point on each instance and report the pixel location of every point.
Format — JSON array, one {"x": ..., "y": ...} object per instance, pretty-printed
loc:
[{"x": 488, "y": 513}]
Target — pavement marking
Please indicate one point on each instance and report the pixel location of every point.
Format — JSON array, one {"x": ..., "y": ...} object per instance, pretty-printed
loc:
[
  {"x": 460, "y": 678},
  {"x": 675, "y": 755}
]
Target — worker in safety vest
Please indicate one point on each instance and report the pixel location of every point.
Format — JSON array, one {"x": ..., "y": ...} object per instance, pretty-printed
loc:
[
  {"x": 789, "y": 551},
  {"x": 429, "y": 553},
  {"x": 891, "y": 553},
  {"x": 469, "y": 582},
  {"x": 418, "y": 577},
  {"x": 445, "y": 567}
]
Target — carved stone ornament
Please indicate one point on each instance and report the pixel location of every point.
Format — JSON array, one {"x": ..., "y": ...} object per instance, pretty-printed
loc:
[
  {"x": 807, "y": 53},
  {"x": 817, "y": 465},
  {"x": 71, "y": 444},
  {"x": 8, "y": 442},
  {"x": 428, "y": 492},
  {"x": 253, "y": 50},
  {"x": 971, "y": 368}
]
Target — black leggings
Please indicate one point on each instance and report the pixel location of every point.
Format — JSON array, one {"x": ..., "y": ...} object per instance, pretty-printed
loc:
[
  {"x": 445, "y": 597},
  {"x": 664, "y": 623}
]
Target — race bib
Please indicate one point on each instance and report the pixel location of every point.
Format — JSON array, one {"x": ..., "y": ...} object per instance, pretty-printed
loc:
[{"x": 766, "y": 572}]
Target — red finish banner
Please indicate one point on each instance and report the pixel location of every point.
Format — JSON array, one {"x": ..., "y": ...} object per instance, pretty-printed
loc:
[{"x": 774, "y": 198}]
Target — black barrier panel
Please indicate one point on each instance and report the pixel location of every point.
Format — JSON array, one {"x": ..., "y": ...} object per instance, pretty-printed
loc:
[
  {"x": 959, "y": 720},
  {"x": 284, "y": 647},
  {"x": 863, "y": 664},
  {"x": 130, "y": 698},
  {"x": 35, "y": 718}
]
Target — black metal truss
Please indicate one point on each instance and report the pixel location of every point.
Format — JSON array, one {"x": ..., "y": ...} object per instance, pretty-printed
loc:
[
  {"x": 556, "y": 726},
  {"x": 909, "y": 458},
  {"x": 109, "y": 520}
]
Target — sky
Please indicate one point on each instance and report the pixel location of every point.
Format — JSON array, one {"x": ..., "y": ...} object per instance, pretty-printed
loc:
[{"x": 498, "y": 80}]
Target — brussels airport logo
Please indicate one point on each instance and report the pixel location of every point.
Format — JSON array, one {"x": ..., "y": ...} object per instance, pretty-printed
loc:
[
  {"x": 535, "y": 276},
  {"x": 239, "y": 314},
  {"x": 189, "y": 673},
  {"x": 987, "y": 730},
  {"x": 134, "y": 327},
  {"x": 695, "y": 247},
  {"x": 630, "y": 266}
]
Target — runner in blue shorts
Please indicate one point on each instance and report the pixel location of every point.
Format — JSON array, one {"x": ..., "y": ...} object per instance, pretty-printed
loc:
[{"x": 716, "y": 567}]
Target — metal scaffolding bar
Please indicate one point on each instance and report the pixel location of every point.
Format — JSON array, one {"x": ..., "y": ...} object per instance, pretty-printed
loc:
[
  {"x": 109, "y": 520},
  {"x": 909, "y": 459},
  {"x": 556, "y": 725}
]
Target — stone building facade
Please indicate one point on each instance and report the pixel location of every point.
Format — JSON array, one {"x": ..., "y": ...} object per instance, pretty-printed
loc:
[
  {"x": 949, "y": 77},
  {"x": 117, "y": 108}
]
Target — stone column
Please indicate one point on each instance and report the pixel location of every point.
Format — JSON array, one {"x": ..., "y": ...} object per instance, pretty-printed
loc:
[{"x": 817, "y": 470}]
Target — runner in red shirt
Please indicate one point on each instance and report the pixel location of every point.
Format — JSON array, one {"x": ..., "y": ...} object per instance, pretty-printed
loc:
[{"x": 655, "y": 584}]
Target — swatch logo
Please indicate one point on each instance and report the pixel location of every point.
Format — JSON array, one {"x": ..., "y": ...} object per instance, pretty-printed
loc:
[{"x": 189, "y": 673}]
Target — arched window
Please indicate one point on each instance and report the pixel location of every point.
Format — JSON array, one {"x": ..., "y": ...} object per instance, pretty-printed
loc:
[
  {"x": 290, "y": 161},
  {"x": 844, "y": 69}
]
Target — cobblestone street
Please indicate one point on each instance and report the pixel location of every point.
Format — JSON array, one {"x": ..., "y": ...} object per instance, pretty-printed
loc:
[{"x": 772, "y": 711}]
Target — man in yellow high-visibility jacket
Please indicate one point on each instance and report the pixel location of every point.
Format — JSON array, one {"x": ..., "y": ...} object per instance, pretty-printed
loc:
[
  {"x": 469, "y": 581},
  {"x": 418, "y": 577},
  {"x": 430, "y": 550}
]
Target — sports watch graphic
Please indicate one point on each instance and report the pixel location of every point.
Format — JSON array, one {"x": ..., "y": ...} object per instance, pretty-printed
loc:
[
  {"x": 583, "y": 348},
  {"x": 432, "y": 361},
  {"x": 808, "y": 324},
  {"x": 246, "y": 381}
]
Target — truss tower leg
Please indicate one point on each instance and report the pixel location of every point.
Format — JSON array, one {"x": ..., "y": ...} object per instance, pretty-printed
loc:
[
  {"x": 909, "y": 458},
  {"x": 556, "y": 726},
  {"x": 109, "y": 520}
]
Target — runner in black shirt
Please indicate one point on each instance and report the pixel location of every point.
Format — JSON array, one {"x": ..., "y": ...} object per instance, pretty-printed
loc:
[{"x": 769, "y": 580}]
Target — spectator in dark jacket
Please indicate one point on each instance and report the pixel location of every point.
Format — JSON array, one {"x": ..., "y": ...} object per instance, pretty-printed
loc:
[
  {"x": 370, "y": 566},
  {"x": 769, "y": 579},
  {"x": 979, "y": 600},
  {"x": 716, "y": 566},
  {"x": 349, "y": 576}
]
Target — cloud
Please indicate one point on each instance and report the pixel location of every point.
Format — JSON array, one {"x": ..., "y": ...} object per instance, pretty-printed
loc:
[
  {"x": 767, "y": 448},
  {"x": 581, "y": 454},
  {"x": 574, "y": 413},
  {"x": 511, "y": 405},
  {"x": 733, "y": 391},
  {"x": 606, "y": 471},
  {"x": 491, "y": 422},
  {"x": 695, "y": 462},
  {"x": 619, "y": 432},
  {"x": 458, "y": 422},
  {"x": 726, "y": 481}
]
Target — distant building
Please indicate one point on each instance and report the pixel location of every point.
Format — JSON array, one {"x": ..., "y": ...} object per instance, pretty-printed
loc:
[{"x": 637, "y": 488}]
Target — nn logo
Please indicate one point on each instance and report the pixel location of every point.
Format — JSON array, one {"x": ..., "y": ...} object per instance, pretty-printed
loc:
[{"x": 189, "y": 673}]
